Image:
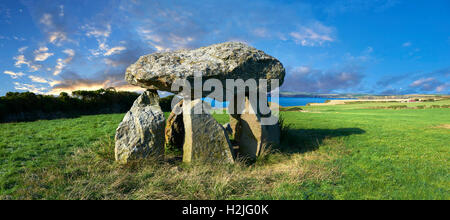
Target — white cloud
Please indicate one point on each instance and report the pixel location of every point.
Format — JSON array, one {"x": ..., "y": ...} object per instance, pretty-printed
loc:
[
  {"x": 47, "y": 20},
  {"x": 57, "y": 37},
  {"x": 110, "y": 62},
  {"x": 22, "y": 49},
  {"x": 13, "y": 74},
  {"x": 38, "y": 79},
  {"x": 302, "y": 69},
  {"x": 34, "y": 67},
  {"x": 167, "y": 43},
  {"x": 114, "y": 50},
  {"x": 59, "y": 67},
  {"x": 442, "y": 87},
  {"x": 407, "y": 44},
  {"x": 315, "y": 34},
  {"x": 96, "y": 32},
  {"x": 42, "y": 56},
  {"x": 29, "y": 87},
  {"x": 422, "y": 81},
  {"x": 69, "y": 52},
  {"x": 21, "y": 60},
  {"x": 60, "y": 63}
]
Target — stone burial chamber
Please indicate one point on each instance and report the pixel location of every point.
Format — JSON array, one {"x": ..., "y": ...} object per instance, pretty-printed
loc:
[{"x": 190, "y": 127}]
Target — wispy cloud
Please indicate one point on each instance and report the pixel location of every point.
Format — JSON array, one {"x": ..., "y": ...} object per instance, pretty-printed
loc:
[
  {"x": 21, "y": 60},
  {"x": 13, "y": 74},
  {"x": 114, "y": 50},
  {"x": 418, "y": 82},
  {"x": 307, "y": 79},
  {"x": 30, "y": 88},
  {"x": 61, "y": 63},
  {"x": 406, "y": 44},
  {"x": 312, "y": 35},
  {"x": 39, "y": 79},
  {"x": 41, "y": 54}
]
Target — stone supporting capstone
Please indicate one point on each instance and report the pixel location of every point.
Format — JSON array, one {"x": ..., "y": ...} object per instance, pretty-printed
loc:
[
  {"x": 174, "y": 132},
  {"x": 141, "y": 133},
  {"x": 252, "y": 136},
  {"x": 205, "y": 139}
]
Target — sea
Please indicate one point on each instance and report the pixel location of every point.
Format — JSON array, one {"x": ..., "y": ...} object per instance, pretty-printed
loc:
[{"x": 284, "y": 101}]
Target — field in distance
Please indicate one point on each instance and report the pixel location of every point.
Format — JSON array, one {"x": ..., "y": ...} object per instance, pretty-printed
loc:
[{"x": 352, "y": 151}]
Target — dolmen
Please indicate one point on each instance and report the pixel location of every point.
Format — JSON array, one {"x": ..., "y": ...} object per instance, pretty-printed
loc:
[{"x": 232, "y": 72}]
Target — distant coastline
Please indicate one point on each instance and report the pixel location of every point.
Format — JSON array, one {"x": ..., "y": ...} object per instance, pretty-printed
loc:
[{"x": 360, "y": 96}]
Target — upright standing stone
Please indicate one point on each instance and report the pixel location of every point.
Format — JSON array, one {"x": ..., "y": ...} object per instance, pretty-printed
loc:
[
  {"x": 141, "y": 133},
  {"x": 252, "y": 136},
  {"x": 174, "y": 132},
  {"x": 205, "y": 139}
]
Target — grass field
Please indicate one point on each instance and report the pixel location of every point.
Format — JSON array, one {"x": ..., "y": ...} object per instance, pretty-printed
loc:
[{"x": 352, "y": 151}]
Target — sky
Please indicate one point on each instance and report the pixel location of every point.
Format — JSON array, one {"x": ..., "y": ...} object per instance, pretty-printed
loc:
[{"x": 342, "y": 46}]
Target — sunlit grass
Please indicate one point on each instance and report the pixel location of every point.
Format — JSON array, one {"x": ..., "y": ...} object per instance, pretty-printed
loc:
[{"x": 327, "y": 152}]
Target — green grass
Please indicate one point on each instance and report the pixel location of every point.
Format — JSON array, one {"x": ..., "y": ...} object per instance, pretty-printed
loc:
[{"x": 350, "y": 151}]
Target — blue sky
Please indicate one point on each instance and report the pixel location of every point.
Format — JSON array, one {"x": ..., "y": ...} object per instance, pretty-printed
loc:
[{"x": 347, "y": 46}]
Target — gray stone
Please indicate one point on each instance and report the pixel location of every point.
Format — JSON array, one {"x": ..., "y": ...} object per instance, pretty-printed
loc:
[
  {"x": 230, "y": 60},
  {"x": 174, "y": 132},
  {"x": 251, "y": 136},
  {"x": 141, "y": 133},
  {"x": 205, "y": 139}
]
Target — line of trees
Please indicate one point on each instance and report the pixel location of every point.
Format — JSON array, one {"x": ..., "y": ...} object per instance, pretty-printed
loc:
[{"x": 27, "y": 106}]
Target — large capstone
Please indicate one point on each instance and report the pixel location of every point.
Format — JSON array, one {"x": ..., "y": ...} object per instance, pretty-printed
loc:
[
  {"x": 230, "y": 60},
  {"x": 205, "y": 139},
  {"x": 141, "y": 133}
]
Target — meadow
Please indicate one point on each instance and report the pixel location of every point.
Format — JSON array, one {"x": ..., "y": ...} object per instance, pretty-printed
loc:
[{"x": 353, "y": 151}]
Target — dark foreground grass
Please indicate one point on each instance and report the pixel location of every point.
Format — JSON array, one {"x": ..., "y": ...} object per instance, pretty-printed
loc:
[{"x": 328, "y": 152}]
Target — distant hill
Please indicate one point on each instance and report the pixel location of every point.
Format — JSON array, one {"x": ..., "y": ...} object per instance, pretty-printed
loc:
[{"x": 361, "y": 96}]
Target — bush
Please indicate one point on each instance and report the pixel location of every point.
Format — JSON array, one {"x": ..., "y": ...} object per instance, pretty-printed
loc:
[
  {"x": 28, "y": 106},
  {"x": 398, "y": 106},
  {"x": 420, "y": 107}
]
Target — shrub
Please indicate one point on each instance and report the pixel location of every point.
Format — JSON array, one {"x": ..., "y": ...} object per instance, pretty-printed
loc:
[
  {"x": 28, "y": 106},
  {"x": 398, "y": 106}
]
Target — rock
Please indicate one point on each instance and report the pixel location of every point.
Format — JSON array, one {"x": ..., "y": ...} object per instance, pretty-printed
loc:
[
  {"x": 141, "y": 133},
  {"x": 205, "y": 139},
  {"x": 174, "y": 132},
  {"x": 251, "y": 136},
  {"x": 230, "y": 60}
]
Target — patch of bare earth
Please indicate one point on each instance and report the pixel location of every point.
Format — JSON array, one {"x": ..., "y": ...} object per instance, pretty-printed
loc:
[{"x": 445, "y": 126}]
